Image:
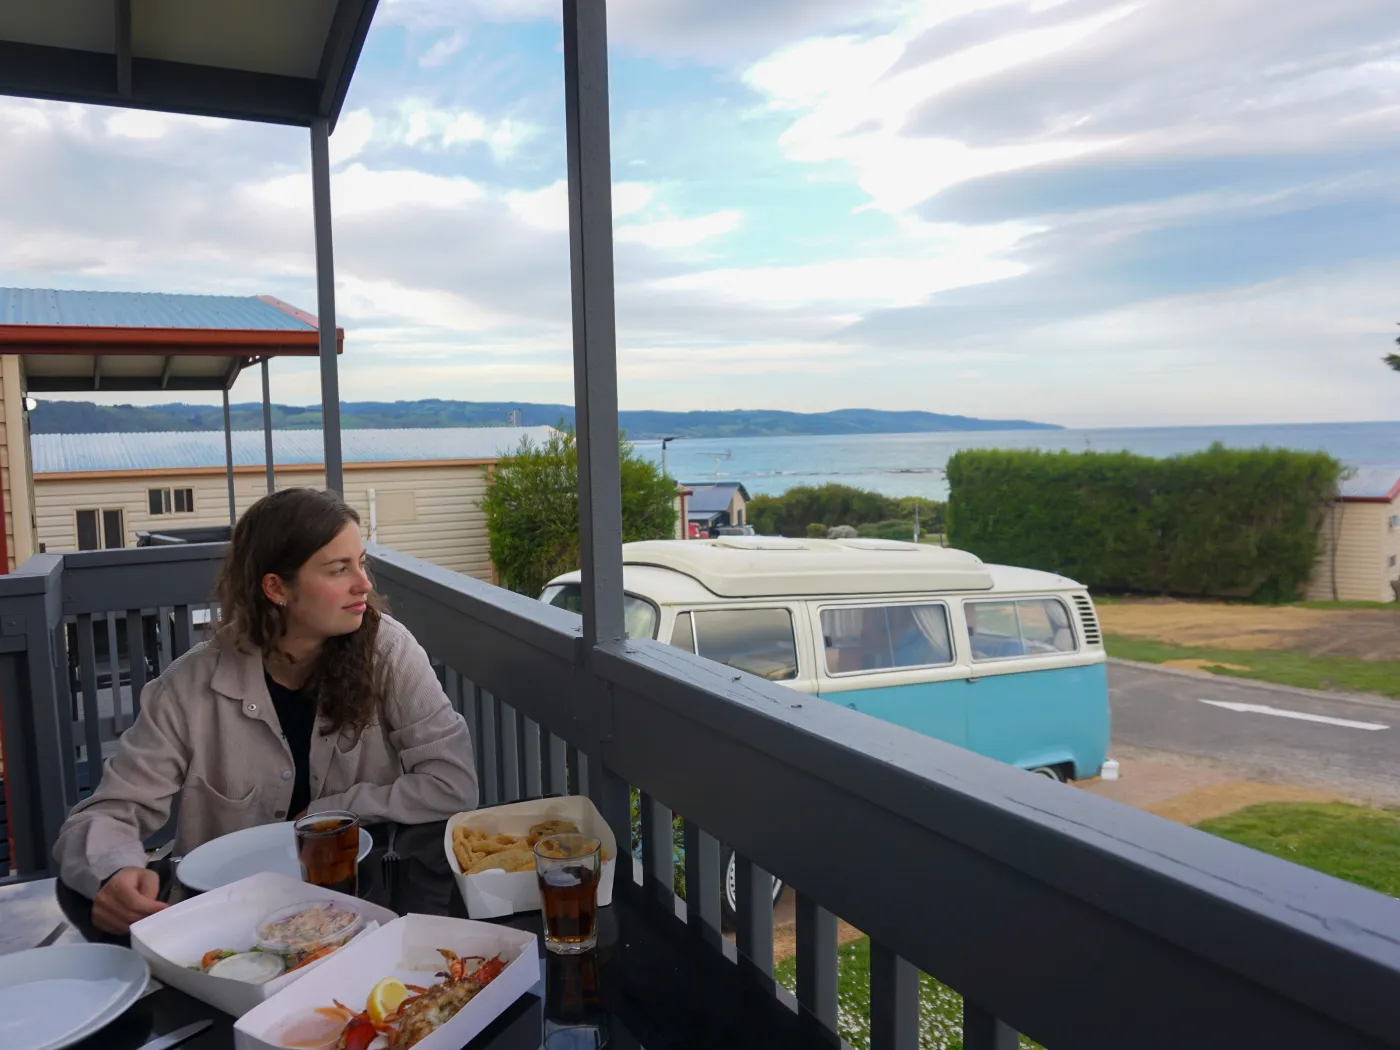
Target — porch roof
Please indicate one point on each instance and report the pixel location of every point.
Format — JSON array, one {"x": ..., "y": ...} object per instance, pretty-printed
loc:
[{"x": 263, "y": 60}]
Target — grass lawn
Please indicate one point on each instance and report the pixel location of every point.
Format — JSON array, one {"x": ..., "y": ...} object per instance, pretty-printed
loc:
[
  {"x": 940, "y": 1008},
  {"x": 1350, "y": 842},
  {"x": 1348, "y": 674}
]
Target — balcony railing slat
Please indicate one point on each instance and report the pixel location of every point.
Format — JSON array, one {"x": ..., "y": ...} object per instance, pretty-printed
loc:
[
  {"x": 182, "y": 631},
  {"x": 613, "y": 797},
  {"x": 136, "y": 657},
  {"x": 555, "y": 758},
  {"x": 119, "y": 721},
  {"x": 754, "y": 904},
  {"x": 816, "y": 960},
  {"x": 87, "y": 680},
  {"x": 489, "y": 769},
  {"x": 510, "y": 752},
  {"x": 575, "y": 771},
  {"x": 163, "y": 653},
  {"x": 658, "y": 850},
  {"x": 982, "y": 1030},
  {"x": 702, "y": 881},
  {"x": 532, "y": 742},
  {"x": 894, "y": 1000}
]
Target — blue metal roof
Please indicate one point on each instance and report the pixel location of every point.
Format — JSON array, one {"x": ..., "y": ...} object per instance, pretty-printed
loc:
[
  {"x": 1370, "y": 483},
  {"x": 713, "y": 496},
  {"x": 46, "y": 306},
  {"x": 66, "y": 453}
]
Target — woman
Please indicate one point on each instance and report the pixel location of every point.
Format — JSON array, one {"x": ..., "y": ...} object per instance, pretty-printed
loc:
[{"x": 308, "y": 698}]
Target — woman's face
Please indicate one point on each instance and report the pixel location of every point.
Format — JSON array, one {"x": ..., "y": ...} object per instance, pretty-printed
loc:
[{"x": 328, "y": 596}]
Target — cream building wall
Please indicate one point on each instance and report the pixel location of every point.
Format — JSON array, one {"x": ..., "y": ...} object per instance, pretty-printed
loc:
[
  {"x": 430, "y": 510},
  {"x": 1361, "y": 553}
]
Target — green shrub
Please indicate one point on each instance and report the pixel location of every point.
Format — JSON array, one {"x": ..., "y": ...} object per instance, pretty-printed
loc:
[
  {"x": 888, "y": 530},
  {"x": 1224, "y": 522},
  {"x": 798, "y": 511},
  {"x": 816, "y": 531},
  {"x": 531, "y": 509}
]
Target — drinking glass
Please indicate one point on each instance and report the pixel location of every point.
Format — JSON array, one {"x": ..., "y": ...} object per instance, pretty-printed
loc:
[
  {"x": 328, "y": 848},
  {"x": 568, "y": 867}
]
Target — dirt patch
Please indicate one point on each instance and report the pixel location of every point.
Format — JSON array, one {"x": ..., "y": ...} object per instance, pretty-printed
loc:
[
  {"x": 1203, "y": 665},
  {"x": 1220, "y": 799},
  {"x": 785, "y": 938},
  {"x": 1371, "y": 634}
]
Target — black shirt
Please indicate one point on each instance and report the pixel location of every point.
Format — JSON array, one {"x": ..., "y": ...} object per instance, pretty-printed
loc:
[{"x": 298, "y": 719}]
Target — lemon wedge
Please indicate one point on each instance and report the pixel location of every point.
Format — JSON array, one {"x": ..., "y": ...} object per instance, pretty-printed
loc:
[{"x": 384, "y": 999}]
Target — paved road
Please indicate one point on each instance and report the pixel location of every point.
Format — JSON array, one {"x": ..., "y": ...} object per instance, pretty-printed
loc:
[{"x": 1168, "y": 712}]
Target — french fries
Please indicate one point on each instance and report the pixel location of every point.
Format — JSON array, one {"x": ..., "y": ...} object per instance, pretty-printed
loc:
[{"x": 477, "y": 851}]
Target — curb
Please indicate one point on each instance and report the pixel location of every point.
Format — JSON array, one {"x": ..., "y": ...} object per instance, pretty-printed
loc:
[{"x": 1364, "y": 699}]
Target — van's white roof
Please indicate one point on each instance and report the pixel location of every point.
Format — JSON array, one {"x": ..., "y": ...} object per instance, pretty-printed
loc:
[
  {"x": 770, "y": 566},
  {"x": 668, "y": 585}
]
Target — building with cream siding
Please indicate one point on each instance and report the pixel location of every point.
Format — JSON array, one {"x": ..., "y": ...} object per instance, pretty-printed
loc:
[
  {"x": 418, "y": 491},
  {"x": 1360, "y": 559}
]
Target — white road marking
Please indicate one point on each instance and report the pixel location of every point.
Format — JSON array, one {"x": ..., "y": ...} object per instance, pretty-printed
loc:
[{"x": 1302, "y": 716}]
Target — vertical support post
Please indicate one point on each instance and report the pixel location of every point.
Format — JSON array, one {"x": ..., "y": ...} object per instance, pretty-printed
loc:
[
  {"x": 228, "y": 461},
  {"x": 754, "y": 897},
  {"x": 325, "y": 301},
  {"x": 702, "y": 882},
  {"x": 894, "y": 1001},
  {"x": 267, "y": 426},
  {"x": 982, "y": 1030},
  {"x": 595, "y": 330},
  {"x": 816, "y": 960}
]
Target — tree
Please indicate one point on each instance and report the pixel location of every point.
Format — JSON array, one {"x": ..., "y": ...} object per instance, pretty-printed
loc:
[
  {"x": 1393, "y": 360},
  {"x": 531, "y": 509}
]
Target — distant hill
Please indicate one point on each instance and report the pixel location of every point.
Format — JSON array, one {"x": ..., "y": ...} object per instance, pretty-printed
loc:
[{"x": 82, "y": 417}]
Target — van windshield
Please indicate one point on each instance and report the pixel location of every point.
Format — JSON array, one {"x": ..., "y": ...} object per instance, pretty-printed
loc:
[{"x": 639, "y": 614}]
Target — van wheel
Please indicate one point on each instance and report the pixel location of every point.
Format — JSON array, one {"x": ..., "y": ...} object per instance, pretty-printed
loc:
[
  {"x": 729, "y": 891},
  {"x": 1055, "y": 773}
]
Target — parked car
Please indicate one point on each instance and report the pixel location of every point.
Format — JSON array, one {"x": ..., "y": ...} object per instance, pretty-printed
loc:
[{"x": 1003, "y": 661}]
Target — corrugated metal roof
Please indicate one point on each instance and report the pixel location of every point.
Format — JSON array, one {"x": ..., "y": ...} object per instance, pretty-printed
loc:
[
  {"x": 143, "y": 310},
  {"x": 1372, "y": 482},
  {"x": 66, "y": 453}
]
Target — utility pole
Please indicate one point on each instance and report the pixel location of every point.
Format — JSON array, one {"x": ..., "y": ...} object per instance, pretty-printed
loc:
[{"x": 664, "y": 442}]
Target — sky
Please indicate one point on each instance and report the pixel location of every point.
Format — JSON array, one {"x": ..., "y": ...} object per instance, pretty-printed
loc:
[{"x": 1086, "y": 212}]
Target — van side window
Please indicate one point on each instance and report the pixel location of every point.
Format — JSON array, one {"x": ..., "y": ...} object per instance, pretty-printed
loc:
[
  {"x": 885, "y": 636},
  {"x": 1026, "y": 627},
  {"x": 759, "y": 641},
  {"x": 639, "y": 615}
]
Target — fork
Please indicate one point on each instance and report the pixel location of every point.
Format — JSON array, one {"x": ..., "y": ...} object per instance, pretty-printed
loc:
[{"x": 391, "y": 855}]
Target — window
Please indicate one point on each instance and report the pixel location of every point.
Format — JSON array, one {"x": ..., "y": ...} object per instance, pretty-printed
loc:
[
  {"x": 1390, "y": 562},
  {"x": 885, "y": 636},
  {"x": 638, "y": 614},
  {"x": 112, "y": 525},
  {"x": 1026, "y": 627},
  {"x": 170, "y": 501},
  {"x": 1394, "y": 522},
  {"x": 759, "y": 641}
]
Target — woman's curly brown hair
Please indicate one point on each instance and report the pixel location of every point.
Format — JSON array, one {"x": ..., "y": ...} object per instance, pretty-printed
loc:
[{"x": 279, "y": 534}]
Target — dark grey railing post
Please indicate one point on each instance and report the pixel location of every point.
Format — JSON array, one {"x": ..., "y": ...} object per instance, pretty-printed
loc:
[
  {"x": 595, "y": 369},
  {"x": 39, "y": 771},
  {"x": 894, "y": 1001},
  {"x": 754, "y": 903},
  {"x": 982, "y": 1031},
  {"x": 325, "y": 302},
  {"x": 702, "y": 882},
  {"x": 816, "y": 960}
]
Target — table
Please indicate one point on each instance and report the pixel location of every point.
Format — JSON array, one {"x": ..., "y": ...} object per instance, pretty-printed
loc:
[{"x": 651, "y": 985}]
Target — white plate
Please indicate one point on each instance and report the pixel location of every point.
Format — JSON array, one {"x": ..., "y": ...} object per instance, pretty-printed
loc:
[
  {"x": 268, "y": 847},
  {"x": 55, "y": 997}
]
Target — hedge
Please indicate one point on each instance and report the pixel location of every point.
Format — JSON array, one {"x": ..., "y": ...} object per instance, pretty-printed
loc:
[
  {"x": 797, "y": 511},
  {"x": 1224, "y": 522}
]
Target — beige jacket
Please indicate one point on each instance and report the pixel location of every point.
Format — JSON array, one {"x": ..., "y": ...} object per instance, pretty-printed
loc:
[{"x": 208, "y": 730}]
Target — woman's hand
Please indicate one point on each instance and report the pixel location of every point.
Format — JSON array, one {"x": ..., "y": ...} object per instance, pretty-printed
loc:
[{"x": 126, "y": 897}]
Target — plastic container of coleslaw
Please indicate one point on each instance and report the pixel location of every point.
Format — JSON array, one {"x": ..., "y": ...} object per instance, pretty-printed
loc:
[{"x": 307, "y": 928}]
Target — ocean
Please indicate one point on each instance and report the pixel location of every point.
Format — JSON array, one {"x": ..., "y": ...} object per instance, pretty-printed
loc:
[{"x": 912, "y": 464}]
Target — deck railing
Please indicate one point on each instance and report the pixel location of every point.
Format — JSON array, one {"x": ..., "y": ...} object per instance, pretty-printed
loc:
[{"x": 1080, "y": 922}]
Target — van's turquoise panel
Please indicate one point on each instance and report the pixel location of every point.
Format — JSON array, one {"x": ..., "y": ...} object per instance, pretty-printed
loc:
[
  {"x": 1028, "y": 718},
  {"x": 936, "y": 709}
]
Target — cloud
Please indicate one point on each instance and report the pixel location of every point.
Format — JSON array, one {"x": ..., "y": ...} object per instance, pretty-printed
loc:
[
  {"x": 681, "y": 233},
  {"x": 548, "y": 208},
  {"x": 442, "y": 49}
]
